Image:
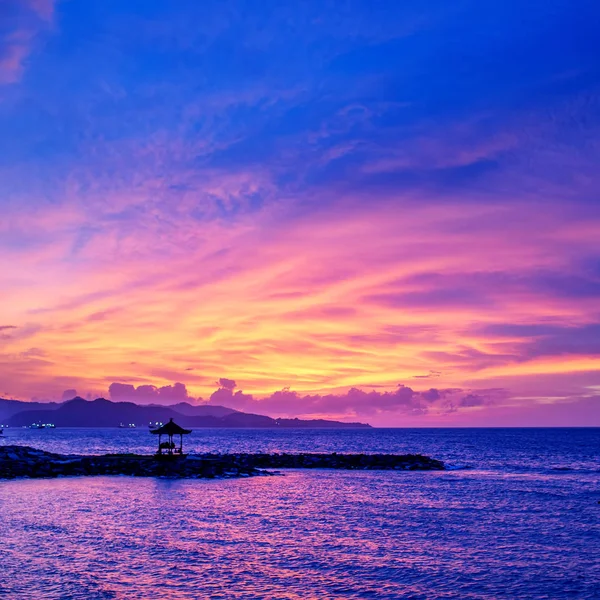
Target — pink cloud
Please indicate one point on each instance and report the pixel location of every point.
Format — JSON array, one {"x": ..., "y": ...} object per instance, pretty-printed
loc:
[
  {"x": 148, "y": 394},
  {"x": 401, "y": 402},
  {"x": 18, "y": 34}
]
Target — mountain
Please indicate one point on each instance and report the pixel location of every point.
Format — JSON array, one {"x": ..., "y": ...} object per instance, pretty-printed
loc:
[
  {"x": 8, "y": 408},
  {"x": 204, "y": 410},
  {"x": 104, "y": 413},
  {"x": 316, "y": 423}
]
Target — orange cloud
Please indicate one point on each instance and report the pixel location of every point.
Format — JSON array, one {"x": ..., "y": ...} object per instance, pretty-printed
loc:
[{"x": 340, "y": 300}]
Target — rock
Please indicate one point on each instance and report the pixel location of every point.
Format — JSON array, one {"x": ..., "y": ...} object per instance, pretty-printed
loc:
[{"x": 22, "y": 461}]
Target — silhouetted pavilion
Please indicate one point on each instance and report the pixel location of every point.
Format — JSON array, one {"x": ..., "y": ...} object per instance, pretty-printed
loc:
[{"x": 170, "y": 429}]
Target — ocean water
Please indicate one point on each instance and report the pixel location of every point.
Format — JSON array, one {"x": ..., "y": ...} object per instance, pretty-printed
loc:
[{"x": 522, "y": 522}]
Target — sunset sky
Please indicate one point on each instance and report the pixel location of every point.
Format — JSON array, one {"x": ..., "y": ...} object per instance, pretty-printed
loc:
[{"x": 375, "y": 211}]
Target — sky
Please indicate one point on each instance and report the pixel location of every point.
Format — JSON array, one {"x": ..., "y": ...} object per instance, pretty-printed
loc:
[{"x": 377, "y": 211}]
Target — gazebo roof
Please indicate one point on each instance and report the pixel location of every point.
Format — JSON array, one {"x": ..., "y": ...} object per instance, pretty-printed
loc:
[{"x": 171, "y": 428}]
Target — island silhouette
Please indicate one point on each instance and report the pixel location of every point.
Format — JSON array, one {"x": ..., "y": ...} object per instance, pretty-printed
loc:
[{"x": 101, "y": 412}]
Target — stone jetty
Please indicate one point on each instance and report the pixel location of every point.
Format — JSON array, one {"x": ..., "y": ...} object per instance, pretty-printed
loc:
[{"x": 23, "y": 461}]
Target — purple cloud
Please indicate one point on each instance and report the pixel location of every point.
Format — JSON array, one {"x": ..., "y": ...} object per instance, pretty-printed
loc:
[
  {"x": 228, "y": 384},
  {"x": 21, "y": 21},
  {"x": 471, "y": 400},
  {"x": 355, "y": 402},
  {"x": 146, "y": 394},
  {"x": 542, "y": 339}
]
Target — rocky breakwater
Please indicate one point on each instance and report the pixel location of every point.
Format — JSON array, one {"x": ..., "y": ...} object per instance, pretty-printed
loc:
[
  {"x": 23, "y": 461},
  {"x": 379, "y": 462}
]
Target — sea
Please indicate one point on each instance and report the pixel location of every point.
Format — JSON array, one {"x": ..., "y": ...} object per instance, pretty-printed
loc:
[{"x": 517, "y": 515}]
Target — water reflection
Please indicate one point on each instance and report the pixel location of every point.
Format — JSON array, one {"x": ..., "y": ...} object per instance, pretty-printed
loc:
[{"x": 306, "y": 535}]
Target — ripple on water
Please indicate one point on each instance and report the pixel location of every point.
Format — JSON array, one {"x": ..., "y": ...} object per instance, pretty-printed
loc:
[{"x": 310, "y": 534}]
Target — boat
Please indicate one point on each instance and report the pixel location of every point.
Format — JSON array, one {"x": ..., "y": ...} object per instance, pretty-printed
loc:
[
  {"x": 42, "y": 426},
  {"x": 154, "y": 425}
]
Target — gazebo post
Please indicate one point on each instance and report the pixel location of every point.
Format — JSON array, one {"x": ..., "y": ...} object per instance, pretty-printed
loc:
[
  {"x": 181, "y": 443},
  {"x": 159, "y": 448}
]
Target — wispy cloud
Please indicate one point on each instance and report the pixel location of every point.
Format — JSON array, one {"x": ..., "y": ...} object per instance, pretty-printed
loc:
[{"x": 21, "y": 22}]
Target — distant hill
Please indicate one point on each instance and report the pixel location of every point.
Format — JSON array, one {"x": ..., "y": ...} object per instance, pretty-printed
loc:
[
  {"x": 8, "y": 408},
  {"x": 316, "y": 423},
  {"x": 100, "y": 408},
  {"x": 204, "y": 410},
  {"x": 104, "y": 413}
]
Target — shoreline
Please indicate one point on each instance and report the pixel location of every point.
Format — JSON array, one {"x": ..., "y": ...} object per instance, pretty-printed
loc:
[{"x": 18, "y": 462}]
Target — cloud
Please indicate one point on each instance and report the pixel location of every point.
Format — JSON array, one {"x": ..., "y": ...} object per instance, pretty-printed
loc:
[
  {"x": 284, "y": 312},
  {"x": 403, "y": 401},
  {"x": 69, "y": 394},
  {"x": 5, "y": 332},
  {"x": 471, "y": 400},
  {"x": 430, "y": 375},
  {"x": 546, "y": 339},
  {"x": 227, "y": 384},
  {"x": 147, "y": 394},
  {"x": 431, "y": 395},
  {"x": 20, "y": 333},
  {"x": 21, "y": 22}
]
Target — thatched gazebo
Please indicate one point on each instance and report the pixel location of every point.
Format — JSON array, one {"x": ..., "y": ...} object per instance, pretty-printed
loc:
[{"x": 170, "y": 429}]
